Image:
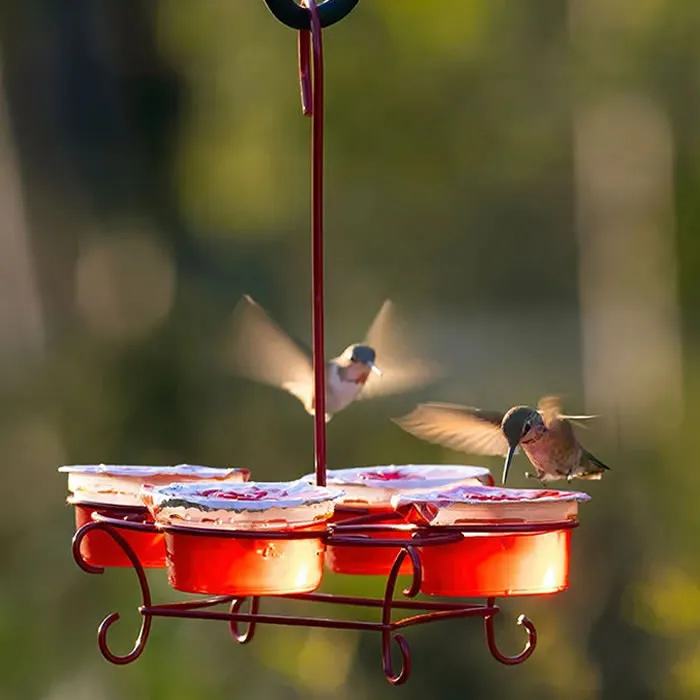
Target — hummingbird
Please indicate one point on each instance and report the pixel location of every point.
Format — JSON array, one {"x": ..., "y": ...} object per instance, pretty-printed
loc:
[
  {"x": 263, "y": 352},
  {"x": 545, "y": 434}
]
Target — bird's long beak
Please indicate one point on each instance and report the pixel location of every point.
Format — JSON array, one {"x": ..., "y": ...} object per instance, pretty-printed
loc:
[
  {"x": 375, "y": 369},
  {"x": 509, "y": 459}
]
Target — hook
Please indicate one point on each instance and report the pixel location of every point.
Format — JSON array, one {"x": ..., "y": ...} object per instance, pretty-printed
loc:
[
  {"x": 146, "y": 619},
  {"x": 236, "y": 604},
  {"x": 303, "y": 50},
  {"x": 528, "y": 649},
  {"x": 297, "y": 17}
]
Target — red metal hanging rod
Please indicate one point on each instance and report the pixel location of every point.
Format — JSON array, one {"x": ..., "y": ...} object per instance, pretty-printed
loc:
[{"x": 311, "y": 83}]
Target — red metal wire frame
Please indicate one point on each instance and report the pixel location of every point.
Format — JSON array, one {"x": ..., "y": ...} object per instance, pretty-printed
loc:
[
  {"x": 356, "y": 532},
  {"x": 438, "y": 534},
  {"x": 352, "y": 510},
  {"x": 437, "y": 610},
  {"x": 311, "y": 85},
  {"x": 131, "y": 524},
  {"x": 197, "y": 609},
  {"x": 365, "y": 517}
]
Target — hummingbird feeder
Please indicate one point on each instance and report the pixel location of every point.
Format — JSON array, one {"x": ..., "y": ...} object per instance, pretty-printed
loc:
[{"x": 233, "y": 540}]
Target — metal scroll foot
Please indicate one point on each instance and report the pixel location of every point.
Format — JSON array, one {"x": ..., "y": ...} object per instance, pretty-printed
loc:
[
  {"x": 400, "y": 677},
  {"x": 236, "y": 605},
  {"x": 103, "y": 629},
  {"x": 528, "y": 649}
]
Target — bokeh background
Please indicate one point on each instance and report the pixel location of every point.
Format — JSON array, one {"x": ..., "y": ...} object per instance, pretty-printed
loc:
[{"x": 521, "y": 178}]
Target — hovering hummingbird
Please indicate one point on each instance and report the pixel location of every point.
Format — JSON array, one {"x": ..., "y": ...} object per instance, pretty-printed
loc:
[
  {"x": 545, "y": 434},
  {"x": 263, "y": 352}
]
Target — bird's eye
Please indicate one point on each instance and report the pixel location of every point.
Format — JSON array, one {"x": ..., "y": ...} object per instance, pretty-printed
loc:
[{"x": 527, "y": 425}]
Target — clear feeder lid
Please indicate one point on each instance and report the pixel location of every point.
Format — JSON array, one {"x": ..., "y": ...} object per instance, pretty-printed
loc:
[
  {"x": 250, "y": 506},
  {"x": 463, "y": 504},
  {"x": 375, "y": 486},
  {"x": 120, "y": 484}
]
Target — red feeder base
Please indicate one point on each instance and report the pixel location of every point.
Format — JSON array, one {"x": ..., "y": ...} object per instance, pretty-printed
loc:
[
  {"x": 368, "y": 561},
  {"x": 99, "y": 549},
  {"x": 498, "y": 565},
  {"x": 243, "y": 566}
]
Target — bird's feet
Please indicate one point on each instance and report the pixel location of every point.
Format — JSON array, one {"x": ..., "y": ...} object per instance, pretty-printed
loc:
[{"x": 531, "y": 475}]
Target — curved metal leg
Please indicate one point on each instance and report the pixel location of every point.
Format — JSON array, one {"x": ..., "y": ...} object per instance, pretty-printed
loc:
[
  {"x": 236, "y": 605},
  {"x": 402, "y": 676},
  {"x": 103, "y": 629},
  {"x": 405, "y": 671},
  {"x": 528, "y": 649}
]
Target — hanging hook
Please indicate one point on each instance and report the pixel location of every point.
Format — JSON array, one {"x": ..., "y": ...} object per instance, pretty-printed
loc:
[
  {"x": 297, "y": 17},
  {"x": 304, "y": 51}
]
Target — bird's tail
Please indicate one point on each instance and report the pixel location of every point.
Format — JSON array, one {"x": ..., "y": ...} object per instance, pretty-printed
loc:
[{"x": 591, "y": 467}]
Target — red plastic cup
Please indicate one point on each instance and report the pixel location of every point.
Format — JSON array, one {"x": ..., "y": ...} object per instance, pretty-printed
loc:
[
  {"x": 99, "y": 549},
  {"x": 217, "y": 565},
  {"x": 508, "y": 562},
  {"x": 497, "y": 565},
  {"x": 243, "y": 539}
]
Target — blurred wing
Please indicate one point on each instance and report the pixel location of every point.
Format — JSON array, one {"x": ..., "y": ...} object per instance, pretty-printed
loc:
[
  {"x": 457, "y": 427},
  {"x": 260, "y": 350},
  {"x": 401, "y": 370},
  {"x": 549, "y": 408}
]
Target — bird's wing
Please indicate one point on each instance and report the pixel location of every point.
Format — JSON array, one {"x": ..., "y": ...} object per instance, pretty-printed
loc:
[
  {"x": 262, "y": 351},
  {"x": 457, "y": 427},
  {"x": 401, "y": 370},
  {"x": 549, "y": 408}
]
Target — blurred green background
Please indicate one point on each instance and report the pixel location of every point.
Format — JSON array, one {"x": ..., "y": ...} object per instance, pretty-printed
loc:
[{"x": 519, "y": 177}]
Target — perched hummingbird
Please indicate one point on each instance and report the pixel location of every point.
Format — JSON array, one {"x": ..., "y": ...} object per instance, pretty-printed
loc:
[
  {"x": 263, "y": 352},
  {"x": 545, "y": 434}
]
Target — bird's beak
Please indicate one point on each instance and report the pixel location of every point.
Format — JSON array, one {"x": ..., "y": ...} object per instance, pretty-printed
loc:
[
  {"x": 375, "y": 369},
  {"x": 509, "y": 459}
]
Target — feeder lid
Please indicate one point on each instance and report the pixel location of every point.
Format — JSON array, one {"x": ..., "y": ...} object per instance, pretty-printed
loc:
[
  {"x": 365, "y": 486},
  {"x": 120, "y": 484},
  {"x": 272, "y": 505},
  {"x": 464, "y": 503}
]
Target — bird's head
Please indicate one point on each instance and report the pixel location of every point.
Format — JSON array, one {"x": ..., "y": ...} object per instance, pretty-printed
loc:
[
  {"x": 359, "y": 361},
  {"x": 516, "y": 424}
]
